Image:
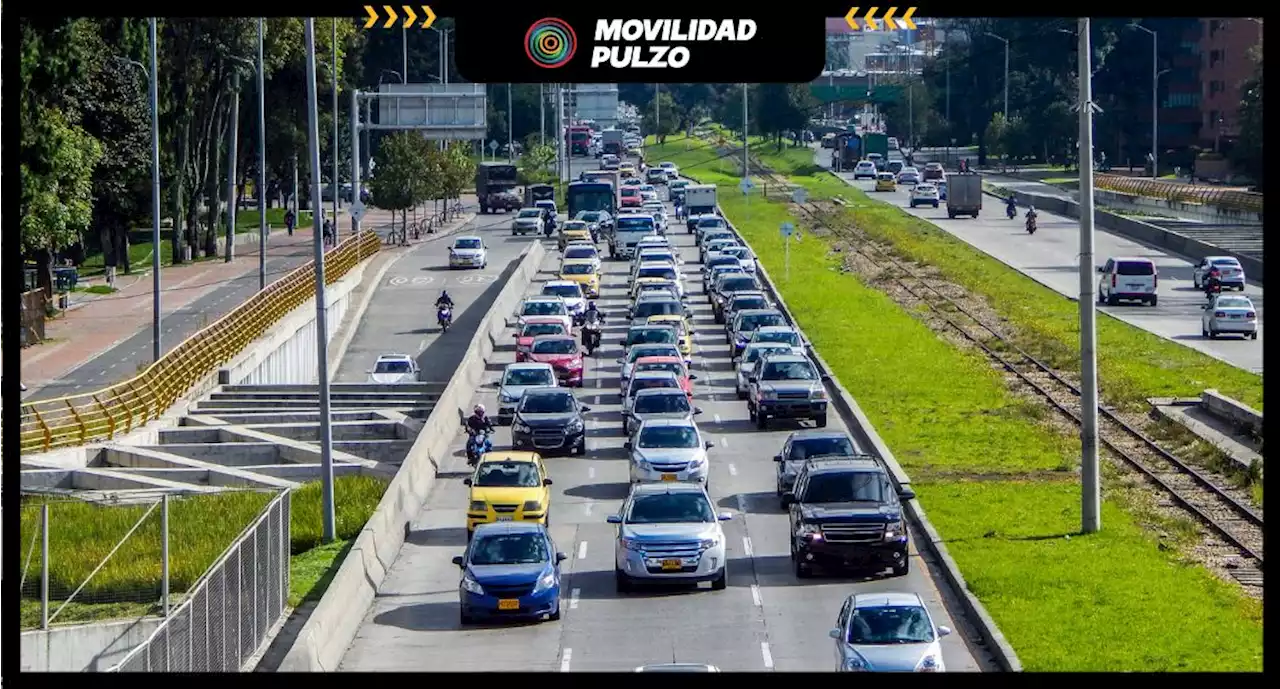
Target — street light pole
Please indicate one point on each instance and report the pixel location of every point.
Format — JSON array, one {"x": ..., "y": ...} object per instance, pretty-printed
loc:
[
  {"x": 746, "y": 143},
  {"x": 336, "y": 189},
  {"x": 262, "y": 168},
  {"x": 322, "y": 329},
  {"x": 230, "y": 251},
  {"x": 355, "y": 159},
  {"x": 542, "y": 116},
  {"x": 1155, "y": 97},
  {"x": 155, "y": 201},
  {"x": 657, "y": 114},
  {"x": 1091, "y": 492},
  {"x": 1006, "y": 72},
  {"x": 511, "y": 148}
]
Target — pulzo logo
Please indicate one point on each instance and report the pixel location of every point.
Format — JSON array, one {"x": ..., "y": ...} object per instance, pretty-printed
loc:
[{"x": 650, "y": 31}]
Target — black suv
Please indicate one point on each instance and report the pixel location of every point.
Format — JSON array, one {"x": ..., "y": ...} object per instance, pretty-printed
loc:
[
  {"x": 845, "y": 513},
  {"x": 550, "y": 420}
]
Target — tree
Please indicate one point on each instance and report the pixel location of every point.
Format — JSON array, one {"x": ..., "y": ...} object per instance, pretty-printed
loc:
[
  {"x": 401, "y": 166},
  {"x": 665, "y": 122},
  {"x": 456, "y": 171},
  {"x": 996, "y": 136},
  {"x": 1247, "y": 153},
  {"x": 782, "y": 107},
  {"x": 536, "y": 164}
]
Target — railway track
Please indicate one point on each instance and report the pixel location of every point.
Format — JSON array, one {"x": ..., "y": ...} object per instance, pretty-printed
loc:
[{"x": 1236, "y": 529}]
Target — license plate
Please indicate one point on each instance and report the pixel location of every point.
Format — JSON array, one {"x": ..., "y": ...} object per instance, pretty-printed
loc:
[
  {"x": 1135, "y": 285},
  {"x": 509, "y": 604},
  {"x": 504, "y": 517},
  {"x": 668, "y": 477},
  {"x": 671, "y": 564},
  {"x": 1236, "y": 316}
]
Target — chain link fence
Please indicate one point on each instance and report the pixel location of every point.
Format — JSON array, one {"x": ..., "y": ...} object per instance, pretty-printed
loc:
[{"x": 227, "y": 615}]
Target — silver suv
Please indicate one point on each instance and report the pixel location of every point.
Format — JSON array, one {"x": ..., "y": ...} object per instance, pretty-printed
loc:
[
  {"x": 668, "y": 450},
  {"x": 669, "y": 533},
  {"x": 750, "y": 356},
  {"x": 519, "y": 378},
  {"x": 786, "y": 386}
]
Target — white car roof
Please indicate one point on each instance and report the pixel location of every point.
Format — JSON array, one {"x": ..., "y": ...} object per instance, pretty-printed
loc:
[
  {"x": 395, "y": 357},
  {"x": 543, "y": 297},
  {"x": 887, "y": 599},
  {"x": 561, "y": 283},
  {"x": 524, "y": 366},
  {"x": 777, "y": 328}
]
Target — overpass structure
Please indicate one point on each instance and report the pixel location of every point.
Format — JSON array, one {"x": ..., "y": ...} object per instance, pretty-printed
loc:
[{"x": 876, "y": 87}]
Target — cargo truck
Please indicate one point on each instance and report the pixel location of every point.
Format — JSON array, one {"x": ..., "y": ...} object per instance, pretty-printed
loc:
[
  {"x": 964, "y": 194},
  {"x": 876, "y": 143},
  {"x": 698, "y": 199},
  {"x": 847, "y": 153},
  {"x": 611, "y": 141},
  {"x": 579, "y": 140},
  {"x": 494, "y": 185},
  {"x": 538, "y": 192}
]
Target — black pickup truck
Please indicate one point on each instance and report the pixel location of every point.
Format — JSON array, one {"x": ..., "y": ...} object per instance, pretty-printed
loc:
[{"x": 846, "y": 514}]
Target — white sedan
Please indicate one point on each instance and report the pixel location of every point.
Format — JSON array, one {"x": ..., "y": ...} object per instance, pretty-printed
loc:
[
  {"x": 1233, "y": 314},
  {"x": 924, "y": 195},
  {"x": 864, "y": 168},
  {"x": 394, "y": 368},
  {"x": 673, "y": 172},
  {"x": 468, "y": 252}
]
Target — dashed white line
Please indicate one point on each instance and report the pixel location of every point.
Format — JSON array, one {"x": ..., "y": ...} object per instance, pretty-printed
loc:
[
  {"x": 746, "y": 545},
  {"x": 733, "y": 470},
  {"x": 568, "y": 656},
  {"x": 573, "y": 598},
  {"x": 591, "y": 472},
  {"x": 582, "y": 550},
  {"x": 586, "y": 508},
  {"x": 717, "y": 418},
  {"x": 764, "y": 653},
  {"x": 755, "y": 595},
  {"x": 724, "y": 442}
]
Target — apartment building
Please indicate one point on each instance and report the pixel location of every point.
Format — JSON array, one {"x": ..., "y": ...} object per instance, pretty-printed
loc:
[{"x": 1225, "y": 64}]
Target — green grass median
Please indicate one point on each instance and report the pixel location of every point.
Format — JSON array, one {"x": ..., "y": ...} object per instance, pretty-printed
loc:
[
  {"x": 201, "y": 528},
  {"x": 998, "y": 483}
]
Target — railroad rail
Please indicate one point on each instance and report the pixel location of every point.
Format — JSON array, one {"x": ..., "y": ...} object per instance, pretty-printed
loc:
[{"x": 1238, "y": 526}]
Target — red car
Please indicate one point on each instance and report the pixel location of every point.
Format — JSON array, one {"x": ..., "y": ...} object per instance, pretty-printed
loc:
[
  {"x": 536, "y": 326},
  {"x": 561, "y": 351},
  {"x": 668, "y": 363},
  {"x": 630, "y": 197}
]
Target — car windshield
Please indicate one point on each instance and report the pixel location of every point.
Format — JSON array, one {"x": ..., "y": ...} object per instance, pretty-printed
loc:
[
  {"x": 565, "y": 345},
  {"x": 821, "y": 447},
  {"x": 509, "y": 549},
  {"x": 736, "y": 284},
  {"x": 790, "y": 337},
  {"x": 925, "y": 188},
  {"x": 651, "y": 336},
  {"x": 668, "y": 437},
  {"x": 708, "y": 237},
  {"x": 890, "y": 625},
  {"x": 590, "y": 216},
  {"x": 635, "y": 224},
  {"x": 738, "y": 252},
  {"x": 580, "y": 252},
  {"x": 543, "y": 308},
  {"x": 467, "y": 244},
  {"x": 507, "y": 475},
  {"x": 571, "y": 291},
  {"x": 529, "y": 376},
  {"x": 657, "y": 308},
  {"x": 546, "y": 404},
  {"x": 662, "y": 404},
  {"x": 664, "y": 256},
  {"x": 753, "y": 354},
  {"x": 392, "y": 366},
  {"x": 846, "y": 486},
  {"x": 709, "y": 223},
  {"x": 722, "y": 261},
  {"x": 536, "y": 329},
  {"x": 578, "y": 225},
  {"x": 749, "y": 323},
  {"x": 788, "y": 370},
  {"x": 1135, "y": 268},
  {"x": 672, "y": 366},
  {"x": 1226, "y": 263},
  {"x": 664, "y": 272},
  {"x": 1233, "y": 303},
  {"x": 649, "y": 384},
  {"x": 577, "y": 269},
  {"x": 667, "y": 287},
  {"x": 548, "y": 205},
  {"x": 754, "y": 301},
  {"x": 530, "y": 213},
  {"x": 644, "y": 350},
  {"x": 670, "y": 508}
]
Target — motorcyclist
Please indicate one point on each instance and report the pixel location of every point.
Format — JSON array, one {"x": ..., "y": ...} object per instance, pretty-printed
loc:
[
  {"x": 1213, "y": 283},
  {"x": 444, "y": 299},
  {"x": 478, "y": 422},
  {"x": 1011, "y": 205},
  {"x": 592, "y": 319},
  {"x": 1031, "y": 217}
]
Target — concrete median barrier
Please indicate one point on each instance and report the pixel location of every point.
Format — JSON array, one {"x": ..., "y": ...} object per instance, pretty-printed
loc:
[
  {"x": 324, "y": 638},
  {"x": 865, "y": 434}
]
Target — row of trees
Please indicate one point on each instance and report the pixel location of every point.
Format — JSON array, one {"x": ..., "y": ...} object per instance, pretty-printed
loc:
[{"x": 413, "y": 170}]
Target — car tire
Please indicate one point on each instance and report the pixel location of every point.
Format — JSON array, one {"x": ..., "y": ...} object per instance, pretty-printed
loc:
[
  {"x": 464, "y": 619},
  {"x": 1253, "y": 335},
  {"x": 721, "y": 582},
  {"x": 762, "y": 421},
  {"x": 1195, "y": 282},
  {"x": 555, "y": 614},
  {"x": 1203, "y": 332},
  {"x": 1111, "y": 300},
  {"x": 742, "y": 394},
  {"x": 902, "y": 569},
  {"x": 802, "y": 570},
  {"x": 935, "y": 205},
  {"x": 1213, "y": 334},
  {"x": 821, "y": 421},
  {"x": 621, "y": 582},
  {"x": 1154, "y": 301}
]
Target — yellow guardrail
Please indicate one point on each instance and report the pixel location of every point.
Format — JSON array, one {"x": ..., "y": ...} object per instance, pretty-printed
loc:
[
  {"x": 120, "y": 408},
  {"x": 1177, "y": 191}
]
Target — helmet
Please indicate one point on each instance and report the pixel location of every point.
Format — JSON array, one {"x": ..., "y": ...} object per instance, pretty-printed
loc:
[
  {"x": 444, "y": 294},
  {"x": 1031, "y": 209},
  {"x": 591, "y": 306},
  {"x": 479, "y": 410}
]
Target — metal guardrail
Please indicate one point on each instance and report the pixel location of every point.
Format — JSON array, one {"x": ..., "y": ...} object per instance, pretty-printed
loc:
[
  {"x": 230, "y": 610},
  {"x": 120, "y": 408},
  {"x": 1177, "y": 191}
]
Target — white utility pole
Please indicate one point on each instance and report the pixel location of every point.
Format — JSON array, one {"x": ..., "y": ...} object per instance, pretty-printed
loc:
[
  {"x": 542, "y": 115},
  {"x": 262, "y": 168},
  {"x": 511, "y": 145},
  {"x": 657, "y": 114},
  {"x": 229, "y": 252},
  {"x": 745, "y": 129},
  {"x": 333, "y": 47},
  {"x": 1006, "y": 72},
  {"x": 322, "y": 329},
  {"x": 1155, "y": 97},
  {"x": 155, "y": 204},
  {"x": 1091, "y": 491}
]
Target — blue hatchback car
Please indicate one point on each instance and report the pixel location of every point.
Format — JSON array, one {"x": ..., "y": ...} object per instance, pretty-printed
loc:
[{"x": 510, "y": 570}]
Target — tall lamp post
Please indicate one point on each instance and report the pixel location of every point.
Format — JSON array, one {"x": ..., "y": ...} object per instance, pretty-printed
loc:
[
  {"x": 262, "y": 159},
  {"x": 1091, "y": 489},
  {"x": 1155, "y": 96},
  {"x": 1006, "y": 72}
]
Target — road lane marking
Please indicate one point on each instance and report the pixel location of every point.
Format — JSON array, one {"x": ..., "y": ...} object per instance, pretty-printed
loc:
[
  {"x": 742, "y": 503},
  {"x": 568, "y": 656},
  {"x": 755, "y": 595},
  {"x": 746, "y": 545},
  {"x": 573, "y": 598},
  {"x": 586, "y": 508},
  {"x": 724, "y": 442},
  {"x": 764, "y": 653},
  {"x": 591, "y": 472},
  {"x": 582, "y": 550},
  {"x": 733, "y": 470},
  {"x": 717, "y": 418}
]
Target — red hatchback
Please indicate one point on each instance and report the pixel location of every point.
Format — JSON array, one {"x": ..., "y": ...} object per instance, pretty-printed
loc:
[
  {"x": 536, "y": 326},
  {"x": 630, "y": 197},
  {"x": 673, "y": 364},
  {"x": 561, "y": 351}
]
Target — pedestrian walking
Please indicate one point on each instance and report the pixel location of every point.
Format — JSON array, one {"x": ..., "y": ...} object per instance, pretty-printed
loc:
[{"x": 290, "y": 220}]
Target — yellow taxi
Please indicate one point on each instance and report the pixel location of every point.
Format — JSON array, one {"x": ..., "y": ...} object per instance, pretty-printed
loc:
[
  {"x": 583, "y": 271},
  {"x": 626, "y": 170},
  {"x": 508, "y": 486},
  {"x": 684, "y": 333},
  {"x": 574, "y": 231},
  {"x": 886, "y": 182}
]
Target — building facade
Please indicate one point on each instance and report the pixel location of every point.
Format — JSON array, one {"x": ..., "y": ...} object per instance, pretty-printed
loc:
[{"x": 1225, "y": 64}]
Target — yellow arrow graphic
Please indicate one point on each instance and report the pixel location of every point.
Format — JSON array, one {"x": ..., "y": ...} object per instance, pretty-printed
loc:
[
  {"x": 852, "y": 19},
  {"x": 391, "y": 16},
  {"x": 888, "y": 19},
  {"x": 373, "y": 17},
  {"x": 906, "y": 19},
  {"x": 430, "y": 17},
  {"x": 410, "y": 16},
  {"x": 871, "y": 19}
]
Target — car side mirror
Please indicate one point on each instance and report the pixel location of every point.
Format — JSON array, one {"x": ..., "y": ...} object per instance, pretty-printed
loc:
[
  {"x": 724, "y": 516},
  {"x": 1100, "y": 268},
  {"x": 906, "y": 494},
  {"x": 944, "y": 631},
  {"x": 561, "y": 557},
  {"x": 546, "y": 481},
  {"x": 692, "y": 377},
  {"x": 709, "y": 444},
  {"x": 835, "y": 634},
  {"x": 697, "y": 410},
  {"x": 788, "y": 499},
  {"x": 457, "y": 560},
  {"x": 737, "y": 359},
  {"x": 627, "y": 446},
  {"x": 466, "y": 481},
  {"x": 614, "y": 519},
  {"x": 777, "y": 458}
]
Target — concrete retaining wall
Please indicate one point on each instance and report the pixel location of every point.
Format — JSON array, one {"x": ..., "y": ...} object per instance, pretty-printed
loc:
[
  {"x": 1140, "y": 231},
  {"x": 1181, "y": 209},
  {"x": 1231, "y": 410},
  {"x": 83, "y": 647},
  {"x": 324, "y": 639},
  {"x": 289, "y": 354},
  {"x": 865, "y": 434}
]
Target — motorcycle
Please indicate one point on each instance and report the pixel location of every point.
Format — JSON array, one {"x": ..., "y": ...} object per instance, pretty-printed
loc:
[
  {"x": 1011, "y": 210},
  {"x": 478, "y": 443},
  {"x": 444, "y": 316},
  {"x": 1212, "y": 288},
  {"x": 591, "y": 337},
  {"x": 1031, "y": 224}
]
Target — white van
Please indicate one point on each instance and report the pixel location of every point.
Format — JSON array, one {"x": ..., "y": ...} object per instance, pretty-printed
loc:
[{"x": 1128, "y": 278}]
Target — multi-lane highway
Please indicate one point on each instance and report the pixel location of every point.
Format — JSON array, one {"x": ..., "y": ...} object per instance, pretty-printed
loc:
[
  {"x": 765, "y": 619},
  {"x": 1050, "y": 257}
]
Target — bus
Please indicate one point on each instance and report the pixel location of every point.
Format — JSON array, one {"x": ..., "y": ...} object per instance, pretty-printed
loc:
[{"x": 590, "y": 196}]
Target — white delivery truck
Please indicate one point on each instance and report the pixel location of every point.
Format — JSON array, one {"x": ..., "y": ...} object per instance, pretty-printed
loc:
[{"x": 698, "y": 199}]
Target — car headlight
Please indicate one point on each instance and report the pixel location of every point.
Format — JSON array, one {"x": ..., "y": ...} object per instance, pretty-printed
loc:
[
  {"x": 532, "y": 506},
  {"x": 471, "y": 585},
  {"x": 768, "y": 393},
  {"x": 521, "y": 427},
  {"x": 710, "y": 542},
  {"x": 855, "y": 664},
  {"x": 644, "y": 464},
  {"x": 893, "y": 530},
  {"x": 632, "y": 544},
  {"x": 698, "y": 461},
  {"x": 574, "y": 426},
  {"x": 547, "y": 581},
  {"x": 508, "y": 397},
  {"x": 818, "y": 394},
  {"x": 477, "y": 506},
  {"x": 809, "y": 530},
  {"x": 928, "y": 663}
]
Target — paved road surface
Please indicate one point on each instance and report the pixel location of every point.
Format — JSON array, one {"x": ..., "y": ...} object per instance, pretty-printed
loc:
[
  {"x": 765, "y": 620},
  {"x": 1049, "y": 257}
]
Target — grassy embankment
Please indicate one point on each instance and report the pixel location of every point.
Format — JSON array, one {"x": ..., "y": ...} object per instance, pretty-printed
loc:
[
  {"x": 201, "y": 528},
  {"x": 999, "y": 484}
]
